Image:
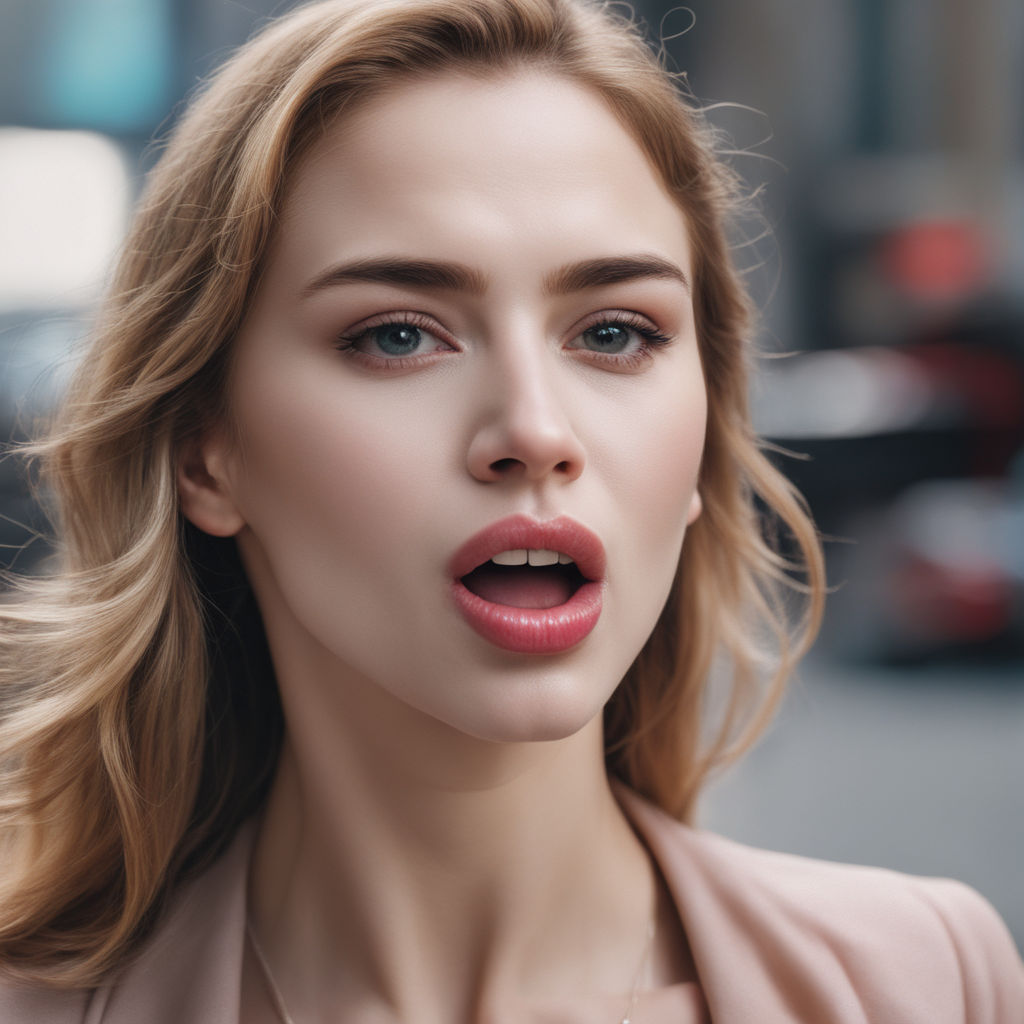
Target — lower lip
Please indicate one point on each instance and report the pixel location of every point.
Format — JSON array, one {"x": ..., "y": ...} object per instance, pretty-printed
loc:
[{"x": 532, "y": 630}]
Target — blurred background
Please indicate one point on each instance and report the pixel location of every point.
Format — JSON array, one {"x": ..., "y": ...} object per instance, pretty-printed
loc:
[{"x": 888, "y": 136}]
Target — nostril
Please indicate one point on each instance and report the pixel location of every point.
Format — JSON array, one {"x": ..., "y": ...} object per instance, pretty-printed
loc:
[
  {"x": 497, "y": 452},
  {"x": 511, "y": 466}
]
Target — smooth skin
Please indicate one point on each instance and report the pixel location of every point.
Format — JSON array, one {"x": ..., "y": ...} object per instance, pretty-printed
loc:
[{"x": 441, "y": 844}]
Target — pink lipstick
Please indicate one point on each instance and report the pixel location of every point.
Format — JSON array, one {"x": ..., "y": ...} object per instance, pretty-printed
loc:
[{"x": 542, "y": 595}]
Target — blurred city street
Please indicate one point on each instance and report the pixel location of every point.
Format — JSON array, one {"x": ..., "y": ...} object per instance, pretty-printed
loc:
[
  {"x": 916, "y": 769},
  {"x": 884, "y": 142}
]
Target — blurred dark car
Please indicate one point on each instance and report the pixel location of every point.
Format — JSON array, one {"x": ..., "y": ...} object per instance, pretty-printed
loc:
[
  {"x": 937, "y": 573},
  {"x": 912, "y": 458}
]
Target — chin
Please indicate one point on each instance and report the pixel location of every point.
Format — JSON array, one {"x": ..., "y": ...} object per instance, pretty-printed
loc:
[
  {"x": 539, "y": 710},
  {"x": 538, "y": 726},
  {"x": 522, "y": 699}
]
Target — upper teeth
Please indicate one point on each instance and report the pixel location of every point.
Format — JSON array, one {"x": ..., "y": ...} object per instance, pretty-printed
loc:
[{"x": 533, "y": 556}]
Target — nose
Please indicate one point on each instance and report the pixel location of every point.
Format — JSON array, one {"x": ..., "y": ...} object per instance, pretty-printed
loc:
[{"x": 524, "y": 431}]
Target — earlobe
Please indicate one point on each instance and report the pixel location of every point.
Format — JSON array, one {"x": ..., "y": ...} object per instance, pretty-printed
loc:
[
  {"x": 206, "y": 500},
  {"x": 696, "y": 505}
]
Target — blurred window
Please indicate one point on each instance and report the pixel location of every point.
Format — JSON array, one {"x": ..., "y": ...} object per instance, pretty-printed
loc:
[
  {"x": 103, "y": 64},
  {"x": 64, "y": 200}
]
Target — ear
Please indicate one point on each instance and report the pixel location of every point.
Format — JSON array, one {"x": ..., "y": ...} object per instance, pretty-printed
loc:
[
  {"x": 203, "y": 489},
  {"x": 696, "y": 505}
]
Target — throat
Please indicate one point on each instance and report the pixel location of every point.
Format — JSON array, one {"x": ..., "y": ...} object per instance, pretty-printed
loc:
[{"x": 524, "y": 586}]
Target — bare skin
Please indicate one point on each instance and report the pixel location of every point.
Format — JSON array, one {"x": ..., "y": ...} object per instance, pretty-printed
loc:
[
  {"x": 471, "y": 906},
  {"x": 441, "y": 843}
]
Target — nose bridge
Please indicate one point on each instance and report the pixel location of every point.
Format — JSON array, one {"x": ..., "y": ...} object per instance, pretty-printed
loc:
[
  {"x": 527, "y": 427},
  {"x": 530, "y": 396}
]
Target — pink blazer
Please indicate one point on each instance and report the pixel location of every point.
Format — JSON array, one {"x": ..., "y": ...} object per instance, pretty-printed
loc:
[{"x": 776, "y": 938}]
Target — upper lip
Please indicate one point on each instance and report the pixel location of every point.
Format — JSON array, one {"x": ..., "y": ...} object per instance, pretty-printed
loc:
[{"x": 520, "y": 531}]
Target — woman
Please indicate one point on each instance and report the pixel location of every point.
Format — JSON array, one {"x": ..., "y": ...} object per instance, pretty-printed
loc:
[{"x": 406, "y": 499}]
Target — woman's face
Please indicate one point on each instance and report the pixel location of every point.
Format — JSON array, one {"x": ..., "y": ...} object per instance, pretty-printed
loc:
[{"x": 476, "y": 307}]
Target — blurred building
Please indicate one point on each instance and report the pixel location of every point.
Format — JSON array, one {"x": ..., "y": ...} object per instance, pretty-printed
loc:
[{"x": 890, "y": 137}]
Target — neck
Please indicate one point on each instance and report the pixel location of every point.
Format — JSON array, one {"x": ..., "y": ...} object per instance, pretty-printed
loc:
[{"x": 427, "y": 875}]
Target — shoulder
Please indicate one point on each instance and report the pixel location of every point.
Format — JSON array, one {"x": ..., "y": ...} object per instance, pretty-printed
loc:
[
  {"x": 188, "y": 971},
  {"x": 841, "y": 942},
  {"x": 24, "y": 1004},
  {"x": 892, "y": 940}
]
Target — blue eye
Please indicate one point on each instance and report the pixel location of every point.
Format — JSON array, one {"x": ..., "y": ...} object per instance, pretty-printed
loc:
[
  {"x": 396, "y": 339},
  {"x": 611, "y": 338},
  {"x": 619, "y": 340}
]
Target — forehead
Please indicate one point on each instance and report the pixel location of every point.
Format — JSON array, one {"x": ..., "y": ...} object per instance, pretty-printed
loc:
[{"x": 455, "y": 158}]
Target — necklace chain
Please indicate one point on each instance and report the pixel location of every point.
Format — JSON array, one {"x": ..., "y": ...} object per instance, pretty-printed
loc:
[
  {"x": 275, "y": 992},
  {"x": 286, "y": 1018}
]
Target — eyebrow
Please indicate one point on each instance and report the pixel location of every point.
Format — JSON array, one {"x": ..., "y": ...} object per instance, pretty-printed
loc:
[
  {"x": 432, "y": 275},
  {"x": 611, "y": 270},
  {"x": 438, "y": 275}
]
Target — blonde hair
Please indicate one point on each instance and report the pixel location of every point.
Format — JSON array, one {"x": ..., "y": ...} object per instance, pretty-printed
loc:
[{"x": 140, "y": 720}]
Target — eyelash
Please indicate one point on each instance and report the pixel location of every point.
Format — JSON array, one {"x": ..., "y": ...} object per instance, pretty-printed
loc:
[
  {"x": 652, "y": 340},
  {"x": 347, "y": 342}
]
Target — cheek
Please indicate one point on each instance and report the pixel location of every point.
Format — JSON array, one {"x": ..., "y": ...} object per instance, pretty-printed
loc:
[
  {"x": 304, "y": 436},
  {"x": 654, "y": 454},
  {"x": 337, "y": 487},
  {"x": 329, "y": 477},
  {"x": 650, "y": 462}
]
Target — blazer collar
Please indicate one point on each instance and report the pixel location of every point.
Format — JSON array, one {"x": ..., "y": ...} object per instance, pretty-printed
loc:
[
  {"x": 752, "y": 958},
  {"x": 191, "y": 970}
]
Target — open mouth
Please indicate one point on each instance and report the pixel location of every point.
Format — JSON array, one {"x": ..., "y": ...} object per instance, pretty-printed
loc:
[
  {"x": 526, "y": 578},
  {"x": 528, "y": 586}
]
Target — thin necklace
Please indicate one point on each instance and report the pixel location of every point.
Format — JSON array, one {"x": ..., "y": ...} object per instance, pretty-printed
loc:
[{"x": 286, "y": 1018}]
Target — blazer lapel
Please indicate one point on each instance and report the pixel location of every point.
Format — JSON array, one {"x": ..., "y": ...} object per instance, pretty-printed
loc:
[{"x": 742, "y": 955}]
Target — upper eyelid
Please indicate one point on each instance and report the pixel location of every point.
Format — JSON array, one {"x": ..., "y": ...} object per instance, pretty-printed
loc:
[
  {"x": 614, "y": 316},
  {"x": 405, "y": 316},
  {"x": 630, "y": 318}
]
